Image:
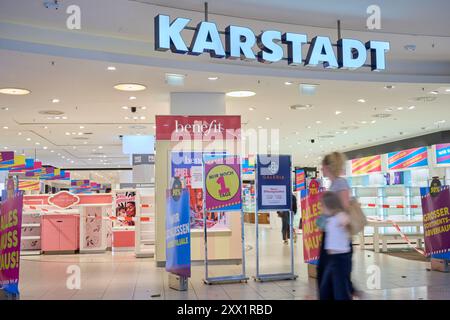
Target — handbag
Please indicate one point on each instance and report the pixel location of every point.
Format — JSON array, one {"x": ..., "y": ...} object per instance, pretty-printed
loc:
[{"x": 358, "y": 219}]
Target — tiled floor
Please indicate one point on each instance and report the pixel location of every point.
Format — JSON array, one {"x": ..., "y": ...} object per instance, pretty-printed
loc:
[{"x": 122, "y": 276}]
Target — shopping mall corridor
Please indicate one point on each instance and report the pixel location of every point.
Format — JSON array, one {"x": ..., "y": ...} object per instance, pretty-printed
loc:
[{"x": 121, "y": 276}]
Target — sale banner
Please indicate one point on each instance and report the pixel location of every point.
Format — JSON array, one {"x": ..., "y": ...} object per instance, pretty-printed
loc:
[
  {"x": 411, "y": 158},
  {"x": 10, "y": 233},
  {"x": 222, "y": 182},
  {"x": 312, "y": 235},
  {"x": 27, "y": 185},
  {"x": 178, "y": 233},
  {"x": 19, "y": 162},
  {"x": 366, "y": 165},
  {"x": 7, "y": 157},
  {"x": 436, "y": 219},
  {"x": 443, "y": 153}
]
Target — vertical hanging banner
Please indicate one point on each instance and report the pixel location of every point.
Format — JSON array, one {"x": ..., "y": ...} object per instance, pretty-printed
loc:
[
  {"x": 443, "y": 153},
  {"x": 10, "y": 233},
  {"x": 222, "y": 182},
  {"x": 311, "y": 211},
  {"x": 366, "y": 165},
  {"x": 178, "y": 232},
  {"x": 274, "y": 182},
  {"x": 411, "y": 158},
  {"x": 300, "y": 179},
  {"x": 436, "y": 218}
]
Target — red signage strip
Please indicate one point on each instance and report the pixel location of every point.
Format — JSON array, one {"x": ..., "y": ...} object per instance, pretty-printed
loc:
[{"x": 177, "y": 128}]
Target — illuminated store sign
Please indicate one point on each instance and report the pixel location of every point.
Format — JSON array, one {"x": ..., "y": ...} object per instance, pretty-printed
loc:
[{"x": 239, "y": 43}]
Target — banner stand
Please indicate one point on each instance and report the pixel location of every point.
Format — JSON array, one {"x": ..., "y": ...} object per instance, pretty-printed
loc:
[
  {"x": 272, "y": 276},
  {"x": 275, "y": 276},
  {"x": 224, "y": 279}
]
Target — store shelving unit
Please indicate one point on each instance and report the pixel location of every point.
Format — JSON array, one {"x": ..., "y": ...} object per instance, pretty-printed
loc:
[
  {"x": 145, "y": 226},
  {"x": 31, "y": 233}
]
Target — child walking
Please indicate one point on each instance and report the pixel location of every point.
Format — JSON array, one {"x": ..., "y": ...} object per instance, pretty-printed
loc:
[{"x": 335, "y": 283}]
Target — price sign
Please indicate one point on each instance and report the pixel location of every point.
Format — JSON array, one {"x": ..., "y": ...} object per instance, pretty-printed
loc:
[{"x": 222, "y": 183}]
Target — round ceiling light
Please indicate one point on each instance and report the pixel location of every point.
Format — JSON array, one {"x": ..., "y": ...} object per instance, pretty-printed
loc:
[
  {"x": 130, "y": 87},
  {"x": 241, "y": 94},
  {"x": 15, "y": 91}
]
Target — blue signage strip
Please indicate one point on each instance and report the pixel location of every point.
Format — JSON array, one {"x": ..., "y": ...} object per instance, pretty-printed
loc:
[
  {"x": 273, "y": 182},
  {"x": 178, "y": 233}
]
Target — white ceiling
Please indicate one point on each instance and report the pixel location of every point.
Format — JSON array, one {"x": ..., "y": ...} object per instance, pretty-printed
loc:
[
  {"x": 87, "y": 98},
  {"x": 413, "y": 17}
]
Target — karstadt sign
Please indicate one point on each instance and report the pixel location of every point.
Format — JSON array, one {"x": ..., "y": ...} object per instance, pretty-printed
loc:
[{"x": 240, "y": 43}]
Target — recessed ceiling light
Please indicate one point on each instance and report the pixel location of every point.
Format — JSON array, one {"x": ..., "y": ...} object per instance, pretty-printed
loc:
[
  {"x": 19, "y": 134},
  {"x": 45, "y": 127},
  {"x": 259, "y": 127},
  {"x": 100, "y": 147},
  {"x": 64, "y": 118},
  {"x": 85, "y": 142},
  {"x": 411, "y": 107},
  {"x": 143, "y": 108},
  {"x": 28, "y": 139},
  {"x": 132, "y": 98},
  {"x": 447, "y": 90},
  {"x": 361, "y": 100},
  {"x": 6, "y": 128},
  {"x": 373, "y": 121},
  {"x": 363, "y": 122},
  {"x": 213, "y": 78},
  {"x": 308, "y": 88},
  {"x": 37, "y": 143},
  {"x": 81, "y": 127},
  {"x": 130, "y": 87},
  {"x": 135, "y": 118},
  {"x": 318, "y": 122},
  {"x": 55, "y": 101},
  {"x": 288, "y": 83},
  {"x": 338, "y": 112},
  {"x": 389, "y": 109},
  {"x": 52, "y": 151},
  {"x": 120, "y": 127},
  {"x": 6, "y": 148},
  {"x": 251, "y": 109},
  {"x": 308, "y": 127},
  {"x": 127, "y": 118},
  {"x": 89, "y": 159},
  {"x": 154, "y": 127},
  {"x": 434, "y": 92},
  {"x": 400, "y": 108},
  {"x": 440, "y": 122},
  {"x": 174, "y": 79},
  {"x": 111, "y": 68},
  {"x": 268, "y": 118},
  {"x": 5, "y": 108},
  {"x": 301, "y": 107},
  {"x": 15, "y": 91},
  {"x": 240, "y": 94},
  {"x": 124, "y": 107},
  {"x": 142, "y": 118},
  {"x": 45, "y": 148}
]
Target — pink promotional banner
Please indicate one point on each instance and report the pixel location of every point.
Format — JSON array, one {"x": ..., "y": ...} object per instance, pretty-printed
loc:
[
  {"x": 10, "y": 233},
  {"x": 222, "y": 183},
  {"x": 436, "y": 219}
]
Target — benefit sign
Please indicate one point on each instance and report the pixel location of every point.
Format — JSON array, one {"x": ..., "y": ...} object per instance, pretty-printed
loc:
[
  {"x": 311, "y": 211},
  {"x": 10, "y": 232},
  {"x": 436, "y": 218},
  {"x": 222, "y": 182}
]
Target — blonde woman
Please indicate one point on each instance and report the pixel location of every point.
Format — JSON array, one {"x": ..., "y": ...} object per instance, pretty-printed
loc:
[{"x": 333, "y": 166}]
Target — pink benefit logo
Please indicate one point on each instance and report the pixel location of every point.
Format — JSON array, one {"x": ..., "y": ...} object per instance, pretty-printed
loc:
[{"x": 64, "y": 200}]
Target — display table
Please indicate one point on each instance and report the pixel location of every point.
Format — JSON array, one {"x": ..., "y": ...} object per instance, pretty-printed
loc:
[{"x": 377, "y": 224}]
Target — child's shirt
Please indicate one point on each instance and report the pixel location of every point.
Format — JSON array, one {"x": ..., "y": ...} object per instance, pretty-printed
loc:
[{"x": 337, "y": 238}]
